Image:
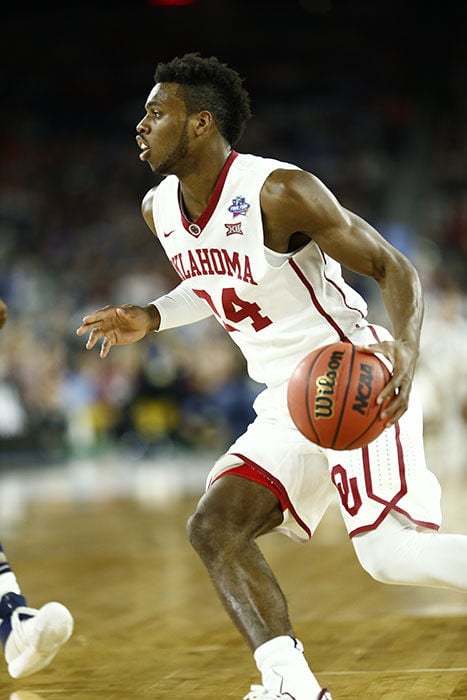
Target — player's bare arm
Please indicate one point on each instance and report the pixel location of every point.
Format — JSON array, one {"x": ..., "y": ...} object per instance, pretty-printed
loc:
[{"x": 297, "y": 206}]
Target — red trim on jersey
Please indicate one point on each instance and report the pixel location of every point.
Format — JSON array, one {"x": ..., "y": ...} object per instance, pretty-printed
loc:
[
  {"x": 315, "y": 301},
  {"x": 252, "y": 471},
  {"x": 375, "y": 335},
  {"x": 203, "y": 219}
]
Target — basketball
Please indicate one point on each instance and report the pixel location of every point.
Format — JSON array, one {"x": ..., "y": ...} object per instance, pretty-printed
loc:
[{"x": 332, "y": 394}]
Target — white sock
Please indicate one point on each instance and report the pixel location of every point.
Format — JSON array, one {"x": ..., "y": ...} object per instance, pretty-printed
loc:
[
  {"x": 284, "y": 668},
  {"x": 8, "y": 583}
]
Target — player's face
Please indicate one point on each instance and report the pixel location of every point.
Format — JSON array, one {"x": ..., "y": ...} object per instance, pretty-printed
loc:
[{"x": 163, "y": 131}]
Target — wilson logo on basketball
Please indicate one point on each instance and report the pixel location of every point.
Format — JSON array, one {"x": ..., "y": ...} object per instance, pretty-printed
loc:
[
  {"x": 325, "y": 386},
  {"x": 364, "y": 389},
  {"x": 332, "y": 394}
]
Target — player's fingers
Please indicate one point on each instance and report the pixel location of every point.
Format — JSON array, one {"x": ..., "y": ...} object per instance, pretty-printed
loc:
[
  {"x": 105, "y": 347},
  {"x": 392, "y": 420},
  {"x": 96, "y": 317},
  {"x": 395, "y": 407},
  {"x": 385, "y": 349},
  {"x": 88, "y": 323},
  {"x": 82, "y": 329},
  {"x": 94, "y": 336},
  {"x": 99, "y": 317},
  {"x": 388, "y": 392},
  {"x": 369, "y": 349}
]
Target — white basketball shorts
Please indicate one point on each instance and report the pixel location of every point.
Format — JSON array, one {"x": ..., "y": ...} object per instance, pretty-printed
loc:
[{"x": 390, "y": 474}]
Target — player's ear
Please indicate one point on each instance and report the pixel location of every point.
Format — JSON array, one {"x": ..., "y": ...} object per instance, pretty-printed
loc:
[{"x": 202, "y": 122}]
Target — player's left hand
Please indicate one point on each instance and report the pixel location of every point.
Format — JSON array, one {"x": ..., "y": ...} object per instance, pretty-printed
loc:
[{"x": 394, "y": 398}]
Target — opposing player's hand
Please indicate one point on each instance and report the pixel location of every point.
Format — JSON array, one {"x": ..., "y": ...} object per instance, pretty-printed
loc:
[
  {"x": 3, "y": 313},
  {"x": 394, "y": 398},
  {"x": 118, "y": 325}
]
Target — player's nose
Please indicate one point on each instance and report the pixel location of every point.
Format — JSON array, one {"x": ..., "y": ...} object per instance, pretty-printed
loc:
[{"x": 141, "y": 128}]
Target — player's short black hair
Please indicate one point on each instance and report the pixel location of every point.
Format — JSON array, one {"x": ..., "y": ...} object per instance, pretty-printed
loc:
[{"x": 206, "y": 83}]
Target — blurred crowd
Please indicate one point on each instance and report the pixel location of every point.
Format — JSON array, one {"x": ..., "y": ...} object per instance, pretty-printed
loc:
[{"x": 72, "y": 240}]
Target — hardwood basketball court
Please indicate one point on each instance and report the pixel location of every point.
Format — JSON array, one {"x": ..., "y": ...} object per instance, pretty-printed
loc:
[{"x": 148, "y": 625}]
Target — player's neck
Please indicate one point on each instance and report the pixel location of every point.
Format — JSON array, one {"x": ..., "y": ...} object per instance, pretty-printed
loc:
[{"x": 197, "y": 185}]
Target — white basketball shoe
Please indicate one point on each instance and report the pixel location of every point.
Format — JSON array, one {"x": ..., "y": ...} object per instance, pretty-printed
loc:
[
  {"x": 258, "y": 692},
  {"x": 36, "y": 635}
]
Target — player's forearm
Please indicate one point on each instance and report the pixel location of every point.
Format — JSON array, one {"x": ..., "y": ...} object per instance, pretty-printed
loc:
[{"x": 403, "y": 297}]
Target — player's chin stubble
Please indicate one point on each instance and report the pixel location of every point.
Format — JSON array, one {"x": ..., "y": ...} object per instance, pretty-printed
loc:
[{"x": 168, "y": 166}]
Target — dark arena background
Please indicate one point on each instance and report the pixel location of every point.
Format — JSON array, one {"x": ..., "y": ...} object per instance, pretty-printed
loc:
[{"x": 101, "y": 461}]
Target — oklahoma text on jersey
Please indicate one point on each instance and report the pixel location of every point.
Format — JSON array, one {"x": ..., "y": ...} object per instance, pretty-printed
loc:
[{"x": 213, "y": 261}]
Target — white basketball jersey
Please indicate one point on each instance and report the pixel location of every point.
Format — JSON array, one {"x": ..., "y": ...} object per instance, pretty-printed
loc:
[{"x": 277, "y": 308}]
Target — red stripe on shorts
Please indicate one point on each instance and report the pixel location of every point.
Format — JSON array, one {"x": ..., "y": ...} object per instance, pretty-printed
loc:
[
  {"x": 252, "y": 471},
  {"x": 252, "y": 474}
]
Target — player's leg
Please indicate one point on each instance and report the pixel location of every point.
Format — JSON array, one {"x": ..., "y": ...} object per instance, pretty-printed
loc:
[
  {"x": 30, "y": 638},
  {"x": 390, "y": 502},
  {"x": 223, "y": 530},
  {"x": 398, "y": 552},
  {"x": 229, "y": 517}
]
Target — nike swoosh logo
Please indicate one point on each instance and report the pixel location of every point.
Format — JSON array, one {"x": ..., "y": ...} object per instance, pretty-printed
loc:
[{"x": 166, "y": 235}]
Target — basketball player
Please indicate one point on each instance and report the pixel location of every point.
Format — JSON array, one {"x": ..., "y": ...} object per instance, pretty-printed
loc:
[
  {"x": 30, "y": 638},
  {"x": 258, "y": 244}
]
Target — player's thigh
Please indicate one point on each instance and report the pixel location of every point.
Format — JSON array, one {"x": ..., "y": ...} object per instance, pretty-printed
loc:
[
  {"x": 389, "y": 474},
  {"x": 293, "y": 467},
  {"x": 237, "y": 504}
]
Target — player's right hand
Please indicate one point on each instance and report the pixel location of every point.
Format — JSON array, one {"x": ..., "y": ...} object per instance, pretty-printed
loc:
[{"x": 118, "y": 325}]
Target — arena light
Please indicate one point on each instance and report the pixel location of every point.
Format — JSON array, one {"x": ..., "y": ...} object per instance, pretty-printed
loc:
[{"x": 170, "y": 3}]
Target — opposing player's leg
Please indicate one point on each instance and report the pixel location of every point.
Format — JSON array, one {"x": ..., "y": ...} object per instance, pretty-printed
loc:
[
  {"x": 30, "y": 637},
  {"x": 229, "y": 517},
  {"x": 399, "y": 552}
]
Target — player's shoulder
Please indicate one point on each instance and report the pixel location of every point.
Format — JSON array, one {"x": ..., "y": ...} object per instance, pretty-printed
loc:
[
  {"x": 289, "y": 180},
  {"x": 290, "y": 189},
  {"x": 147, "y": 206},
  {"x": 168, "y": 183},
  {"x": 249, "y": 161},
  {"x": 272, "y": 175},
  {"x": 148, "y": 199}
]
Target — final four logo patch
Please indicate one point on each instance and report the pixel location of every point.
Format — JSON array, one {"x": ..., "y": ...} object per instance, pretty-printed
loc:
[{"x": 239, "y": 206}]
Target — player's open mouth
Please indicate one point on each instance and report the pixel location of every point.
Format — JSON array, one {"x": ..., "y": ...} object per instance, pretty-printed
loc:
[{"x": 145, "y": 150}]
